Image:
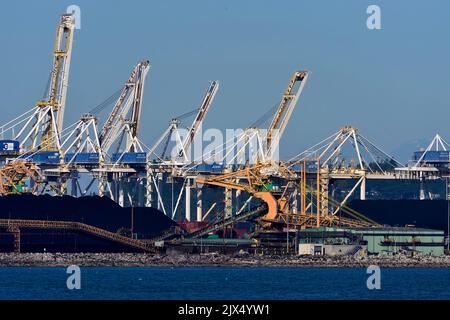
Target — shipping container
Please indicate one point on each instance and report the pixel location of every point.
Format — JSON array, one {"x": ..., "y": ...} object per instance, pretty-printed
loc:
[
  {"x": 211, "y": 168},
  {"x": 8, "y": 147},
  {"x": 44, "y": 157},
  {"x": 130, "y": 157},
  {"x": 82, "y": 158},
  {"x": 432, "y": 156}
]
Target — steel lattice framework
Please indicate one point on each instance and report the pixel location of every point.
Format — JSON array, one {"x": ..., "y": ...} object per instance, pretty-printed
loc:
[{"x": 42, "y": 129}]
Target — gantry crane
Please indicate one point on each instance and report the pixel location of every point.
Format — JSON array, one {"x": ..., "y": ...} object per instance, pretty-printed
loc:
[
  {"x": 45, "y": 124},
  {"x": 118, "y": 123},
  {"x": 183, "y": 145},
  {"x": 264, "y": 146},
  {"x": 202, "y": 111},
  {"x": 284, "y": 111},
  {"x": 122, "y": 125},
  {"x": 181, "y": 156},
  {"x": 275, "y": 131}
]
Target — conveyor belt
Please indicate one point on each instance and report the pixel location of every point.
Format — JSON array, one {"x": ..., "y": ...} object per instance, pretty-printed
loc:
[{"x": 252, "y": 213}]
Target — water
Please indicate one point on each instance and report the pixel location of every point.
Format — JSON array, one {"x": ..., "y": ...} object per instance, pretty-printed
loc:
[{"x": 186, "y": 283}]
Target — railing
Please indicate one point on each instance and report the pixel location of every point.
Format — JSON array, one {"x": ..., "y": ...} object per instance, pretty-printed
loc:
[{"x": 169, "y": 233}]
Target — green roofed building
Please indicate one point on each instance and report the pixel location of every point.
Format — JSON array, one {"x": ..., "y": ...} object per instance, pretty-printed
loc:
[{"x": 379, "y": 240}]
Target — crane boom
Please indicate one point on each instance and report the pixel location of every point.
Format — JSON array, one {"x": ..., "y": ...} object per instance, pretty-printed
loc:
[
  {"x": 201, "y": 114},
  {"x": 58, "y": 83},
  {"x": 130, "y": 97},
  {"x": 284, "y": 110},
  {"x": 138, "y": 97}
]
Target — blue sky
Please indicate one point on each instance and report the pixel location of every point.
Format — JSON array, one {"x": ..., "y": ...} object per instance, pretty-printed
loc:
[{"x": 393, "y": 84}]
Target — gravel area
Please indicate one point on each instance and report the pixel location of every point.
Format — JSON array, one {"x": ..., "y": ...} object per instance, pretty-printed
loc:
[{"x": 129, "y": 259}]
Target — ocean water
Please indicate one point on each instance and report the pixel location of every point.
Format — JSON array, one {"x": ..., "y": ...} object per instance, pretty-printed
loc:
[{"x": 185, "y": 283}]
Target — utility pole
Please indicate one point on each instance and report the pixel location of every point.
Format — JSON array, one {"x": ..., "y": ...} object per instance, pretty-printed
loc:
[
  {"x": 287, "y": 235},
  {"x": 132, "y": 220},
  {"x": 448, "y": 213}
]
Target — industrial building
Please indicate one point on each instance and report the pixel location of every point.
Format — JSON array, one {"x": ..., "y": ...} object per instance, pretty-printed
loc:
[{"x": 380, "y": 241}]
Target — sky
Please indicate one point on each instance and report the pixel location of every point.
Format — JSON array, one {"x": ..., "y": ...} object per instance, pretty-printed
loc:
[{"x": 393, "y": 84}]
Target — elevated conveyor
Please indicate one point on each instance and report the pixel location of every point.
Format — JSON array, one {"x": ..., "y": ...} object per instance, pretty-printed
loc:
[{"x": 218, "y": 225}]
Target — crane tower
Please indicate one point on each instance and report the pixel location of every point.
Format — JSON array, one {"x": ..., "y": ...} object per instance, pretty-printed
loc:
[{"x": 45, "y": 124}]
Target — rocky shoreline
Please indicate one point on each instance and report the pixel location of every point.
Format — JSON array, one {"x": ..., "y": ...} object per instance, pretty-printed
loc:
[{"x": 142, "y": 260}]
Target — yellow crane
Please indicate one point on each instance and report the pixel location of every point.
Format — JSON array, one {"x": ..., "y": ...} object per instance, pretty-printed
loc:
[
  {"x": 257, "y": 181},
  {"x": 14, "y": 176},
  {"x": 45, "y": 124}
]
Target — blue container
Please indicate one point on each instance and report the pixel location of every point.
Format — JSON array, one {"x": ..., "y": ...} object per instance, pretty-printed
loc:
[
  {"x": 130, "y": 157},
  {"x": 210, "y": 168},
  {"x": 9, "y": 147},
  {"x": 200, "y": 168},
  {"x": 45, "y": 157},
  {"x": 432, "y": 156},
  {"x": 217, "y": 168},
  {"x": 82, "y": 158}
]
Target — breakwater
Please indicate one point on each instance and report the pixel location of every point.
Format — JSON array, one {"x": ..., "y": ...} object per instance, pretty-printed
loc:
[{"x": 131, "y": 259}]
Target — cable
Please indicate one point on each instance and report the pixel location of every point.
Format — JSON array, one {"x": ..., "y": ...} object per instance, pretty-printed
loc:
[
  {"x": 96, "y": 110},
  {"x": 47, "y": 87},
  {"x": 187, "y": 114},
  {"x": 264, "y": 117}
]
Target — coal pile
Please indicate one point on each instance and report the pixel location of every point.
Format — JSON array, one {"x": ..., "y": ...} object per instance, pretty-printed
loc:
[
  {"x": 98, "y": 211},
  {"x": 429, "y": 214}
]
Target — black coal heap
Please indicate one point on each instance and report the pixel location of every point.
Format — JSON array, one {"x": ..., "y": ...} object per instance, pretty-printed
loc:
[{"x": 98, "y": 211}]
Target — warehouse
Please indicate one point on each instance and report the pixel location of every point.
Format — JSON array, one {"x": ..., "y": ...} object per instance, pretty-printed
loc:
[{"x": 379, "y": 240}]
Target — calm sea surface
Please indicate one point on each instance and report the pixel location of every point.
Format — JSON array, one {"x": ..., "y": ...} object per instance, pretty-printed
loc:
[{"x": 222, "y": 283}]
